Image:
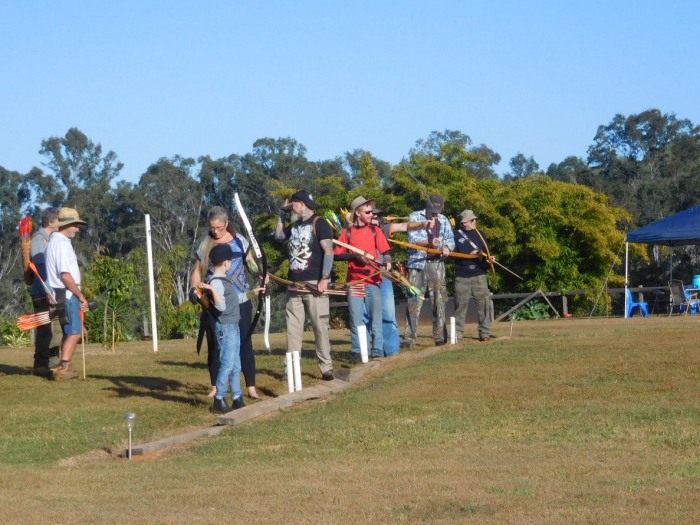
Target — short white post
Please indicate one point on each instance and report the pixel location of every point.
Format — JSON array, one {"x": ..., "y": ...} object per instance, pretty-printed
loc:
[
  {"x": 290, "y": 371},
  {"x": 453, "y": 331},
  {"x": 296, "y": 365},
  {"x": 362, "y": 336}
]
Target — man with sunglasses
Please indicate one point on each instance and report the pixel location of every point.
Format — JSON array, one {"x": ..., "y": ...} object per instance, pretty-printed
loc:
[
  {"x": 471, "y": 281},
  {"x": 369, "y": 238}
]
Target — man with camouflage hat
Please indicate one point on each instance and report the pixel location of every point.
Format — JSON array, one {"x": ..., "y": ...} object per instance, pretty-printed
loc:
[{"x": 426, "y": 271}]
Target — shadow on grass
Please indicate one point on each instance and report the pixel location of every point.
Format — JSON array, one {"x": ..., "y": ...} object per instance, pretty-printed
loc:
[
  {"x": 10, "y": 370},
  {"x": 188, "y": 364},
  {"x": 153, "y": 387}
]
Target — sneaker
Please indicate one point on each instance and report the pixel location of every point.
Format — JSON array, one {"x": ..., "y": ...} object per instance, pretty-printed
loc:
[
  {"x": 484, "y": 338},
  {"x": 439, "y": 342},
  {"x": 64, "y": 372},
  {"x": 328, "y": 376},
  {"x": 220, "y": 406},
  {"x": 238, "y": 403}
]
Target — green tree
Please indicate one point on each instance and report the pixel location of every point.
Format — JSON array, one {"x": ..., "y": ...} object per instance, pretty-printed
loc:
[
  {"x": 175, "y": 210},
  {"x": 14, "y": 201},
  {"x": 644, "y": 160},
  {"x": 82, "y": 179},
  {"x": 522, "y": 166},
  {"x": 556, "y": 235}
]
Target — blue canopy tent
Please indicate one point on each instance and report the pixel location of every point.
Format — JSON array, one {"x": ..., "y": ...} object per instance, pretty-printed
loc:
[{"x": 675, "y": 230}]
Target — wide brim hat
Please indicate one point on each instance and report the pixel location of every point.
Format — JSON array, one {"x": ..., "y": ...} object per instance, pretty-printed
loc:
[
  {"x": 359, "y": 201},
  {"x": 68, "y": 217},
  {"x": 466, "y": 216}
]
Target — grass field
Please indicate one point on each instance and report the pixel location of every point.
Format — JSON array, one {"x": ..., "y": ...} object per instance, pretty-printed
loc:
[{"x": 567, "y": 421}]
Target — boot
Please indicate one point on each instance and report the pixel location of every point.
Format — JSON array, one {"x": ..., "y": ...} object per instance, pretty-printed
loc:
[
  {"x": 64, "y": 372},
  {"x": 238, "y": 403},
  {"x": 220, "y": 406}
]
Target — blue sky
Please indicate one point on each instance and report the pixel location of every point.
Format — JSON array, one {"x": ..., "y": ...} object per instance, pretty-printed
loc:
[{"x": 151, "y": 79}]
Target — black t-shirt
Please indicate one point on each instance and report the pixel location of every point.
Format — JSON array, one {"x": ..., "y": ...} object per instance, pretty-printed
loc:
[
  {"x": 467, "y": 242},
  {"x": 305, "y": 252}
]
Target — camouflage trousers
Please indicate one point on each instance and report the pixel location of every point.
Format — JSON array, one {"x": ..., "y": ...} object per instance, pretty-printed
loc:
[
  {"x": 432, "y": 280},
  {"x": 478, "y": 288}
]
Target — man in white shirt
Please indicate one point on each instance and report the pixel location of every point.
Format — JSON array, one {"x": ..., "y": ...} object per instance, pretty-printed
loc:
[{"x": 63, "y": 276}]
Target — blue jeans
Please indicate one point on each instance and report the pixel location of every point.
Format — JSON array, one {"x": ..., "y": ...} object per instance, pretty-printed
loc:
[
  {"x": 390, "y": 327},
  {"x": 229, "y": 338},
  {"x": 371, "y": 306}
]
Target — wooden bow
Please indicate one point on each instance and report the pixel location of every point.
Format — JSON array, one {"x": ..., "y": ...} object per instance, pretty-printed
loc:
[
  {"x": 486, "y": 248},
  {"x": 459, "y": 255},
  {"x": 396, "y": 277}
]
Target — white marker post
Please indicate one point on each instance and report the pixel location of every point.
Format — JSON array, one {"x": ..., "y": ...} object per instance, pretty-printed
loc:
[
  {"x": 296, "y": 365},
  {"x": 151, "y": 284},
  {"x": 362, "y": 336},
  {"x": 290, "y": 371},
  {"x": 453, "y": 331}
]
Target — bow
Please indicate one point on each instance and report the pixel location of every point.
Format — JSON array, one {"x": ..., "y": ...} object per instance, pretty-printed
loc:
[
  {"x": 263, "y": 298},
  {"x": 459, "y": 255},
  {"x": 486, "y": 247},
  {"x": 404, "y": 284},
  {"x": 306, "y": 288}
]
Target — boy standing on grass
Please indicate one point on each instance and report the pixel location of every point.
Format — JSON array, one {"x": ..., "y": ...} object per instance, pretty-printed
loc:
[{"x": 226, "y": 308}]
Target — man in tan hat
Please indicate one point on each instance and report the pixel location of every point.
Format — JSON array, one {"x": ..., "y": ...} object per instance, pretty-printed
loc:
[
  {"x": 64, "y": 278},
  {"x": 471, "y": 281},
  {"x": 370, "y": 239},
  {"x": 426, "y": 271},
  {"x": 45, "y": 353},
  {"x": 310, "y": 261}
]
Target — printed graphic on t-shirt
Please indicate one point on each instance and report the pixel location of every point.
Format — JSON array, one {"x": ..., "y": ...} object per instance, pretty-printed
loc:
[{"x": 300, "y": 247}]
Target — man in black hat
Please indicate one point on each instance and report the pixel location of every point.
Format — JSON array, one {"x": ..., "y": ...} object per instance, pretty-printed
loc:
[
  {"x": 310, "y": 261},
  {"x": 426, "y": 271}
]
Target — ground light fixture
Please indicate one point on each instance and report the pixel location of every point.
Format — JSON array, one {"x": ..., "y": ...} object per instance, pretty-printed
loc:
[{"x": 130, "y": 419}]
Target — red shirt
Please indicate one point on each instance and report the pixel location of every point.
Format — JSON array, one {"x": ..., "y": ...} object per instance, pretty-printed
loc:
[{"x": 369, "y": 239}]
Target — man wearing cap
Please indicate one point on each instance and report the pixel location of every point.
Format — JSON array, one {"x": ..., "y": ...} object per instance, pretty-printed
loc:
[
  {"x": 426, "y": 271},
  {"x": 45, "y": 352},
  {"x": 371, "y": 240},
  {"x": 310, "y": 261},
  {"x": 471, "y": 278},
  {"x": 64, "y": 278}
]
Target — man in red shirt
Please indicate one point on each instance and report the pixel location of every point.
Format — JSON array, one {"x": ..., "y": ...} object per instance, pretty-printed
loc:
[{"x": 366, "y": 297}]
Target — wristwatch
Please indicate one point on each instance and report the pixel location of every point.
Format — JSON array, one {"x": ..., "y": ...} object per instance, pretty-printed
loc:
[{"x": 325, "y": 277}]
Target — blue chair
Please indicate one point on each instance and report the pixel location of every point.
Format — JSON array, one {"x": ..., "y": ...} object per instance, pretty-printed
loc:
[
  {"x": 682, "y": 299},
  {"x": 631, "y": 305}
]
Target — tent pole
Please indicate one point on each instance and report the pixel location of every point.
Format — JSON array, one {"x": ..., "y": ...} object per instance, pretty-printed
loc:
[{"x": 627, "y": 254}]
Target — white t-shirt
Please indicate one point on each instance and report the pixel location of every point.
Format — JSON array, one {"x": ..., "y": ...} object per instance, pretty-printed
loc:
[{"x": 61, "y": 258}]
